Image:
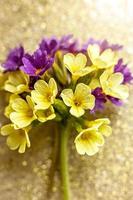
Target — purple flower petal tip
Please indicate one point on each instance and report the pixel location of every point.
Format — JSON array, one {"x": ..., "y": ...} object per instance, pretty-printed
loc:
[{"x": 14, "y": 59}]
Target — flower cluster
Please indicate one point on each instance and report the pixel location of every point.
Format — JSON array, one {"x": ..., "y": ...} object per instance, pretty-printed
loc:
[{"x": 63, "y": 81}]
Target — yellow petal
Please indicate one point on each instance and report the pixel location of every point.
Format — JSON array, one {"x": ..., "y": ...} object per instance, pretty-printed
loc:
[
  {"x": 77, "y": 111},
  {"x": 108, "y": 56},
  {"x": 98, "y": 122},
  {"x": 21, "y": 119},
  {"x": 88, "y": 102},
  {"x": 116, "y": 79},
  {"x": 80, "y": 60},
  {"x": 53, "y": 87},
  {"x": 82, "y": 90},
  {"x": 105, "y": 130},
  {"x": 30, "y": 102},
  {"x": 41, "y": 87},
  {"x": 20, "y": 105},
  {"x": 68, "y": 60},
  {"x": 121, "y": 92},
  {"x": 67, "y": 96},
  {"x": 22, "y": 147},
  {"x": 93, "y": 52},
  {"x": 13, "y": 141},
  {"x": 7, "y": 129}
]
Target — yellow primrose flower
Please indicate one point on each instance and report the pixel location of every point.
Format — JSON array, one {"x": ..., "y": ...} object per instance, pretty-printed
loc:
[
  {"x": 45, "y": 115},
  {"x": 77, "y": 65},
  {"x": 112, "y": 84},
  {"x": 23, "y": 112},
  {"x": 89, "y": 140},
  {"x": 9, "y": 109},
  {"x": 17, "y": 138},
  {"x": 80, "y": 100},
  {"x": 102, "y": 60},
  {"x": 17, "y": 82},
  {"x": 44, "y": 93}
]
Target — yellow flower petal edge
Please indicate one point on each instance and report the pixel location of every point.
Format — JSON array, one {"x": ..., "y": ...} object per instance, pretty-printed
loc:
[
  {"x": 17, "y": 138},
  {"x": 9, "y": 109},
  {"x": 80, "y": 100}
]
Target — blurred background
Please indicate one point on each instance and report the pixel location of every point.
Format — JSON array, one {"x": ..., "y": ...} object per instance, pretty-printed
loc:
[{"x": 106, "y": 176}]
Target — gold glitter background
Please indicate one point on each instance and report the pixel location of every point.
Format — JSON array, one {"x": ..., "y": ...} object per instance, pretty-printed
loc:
[{"x": 109, "y": 174}]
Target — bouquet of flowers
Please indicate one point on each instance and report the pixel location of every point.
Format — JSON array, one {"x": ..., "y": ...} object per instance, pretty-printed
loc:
[{"x": 64, "y": 82}]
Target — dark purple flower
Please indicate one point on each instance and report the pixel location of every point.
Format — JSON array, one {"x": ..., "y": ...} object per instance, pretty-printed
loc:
[
  {"x": 123, "y": 68},
  {"x": 36, "y": 64},
  {"x": 52, "y": 45},
  {"x": 115, "y": 101},
  {"x": 14, "y": 59},
  {"x": 103, "y": 45},
  {"x": 100, "y": 99},
  {"x": 68, "y": 44}
]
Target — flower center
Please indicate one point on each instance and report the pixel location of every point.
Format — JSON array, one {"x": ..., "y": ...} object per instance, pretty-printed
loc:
[
  {"x": 47, "y": 113},
  {"x": 30, "y": 113},
  {"x": 38, "y": 71},
  {"x": 77, "y": 102},
  {"x": 49, "y": 95}
]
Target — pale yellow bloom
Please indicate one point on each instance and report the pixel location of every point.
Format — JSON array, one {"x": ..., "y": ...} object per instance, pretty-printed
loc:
[
  {"x": 102, "y": 60},
  {"x": 17, "y": 82},
  {"x": 77, "y": 64},
  {"x": 80, "y": 100},
  {"x": 89, "y": 140},
  {"x": 23, "y": 112},
  {"x": 44, "y": 94},
  {"x": 45, "y": 115},
  {"x": 17, "y": 138},
  {"x": 112, "y": 84}
]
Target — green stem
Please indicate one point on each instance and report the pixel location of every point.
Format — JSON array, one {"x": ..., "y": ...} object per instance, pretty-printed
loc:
[
  {"x": 54, "y": 160},
  {"x": 64, "y": 161}
]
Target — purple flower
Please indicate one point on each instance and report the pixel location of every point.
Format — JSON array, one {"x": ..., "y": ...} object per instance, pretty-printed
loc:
[
  {"x": 100, "y": 99},
  {"x": 123, "y": 68},
  {"x": 103, "y": 45},
  {"x": 52, "y": 45},
  {"x": 36, "y": 64},
  {"x": 67, "y": 44},
  {"x": 115, "y": 101},
  {"x": 14, "y": 59}
]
